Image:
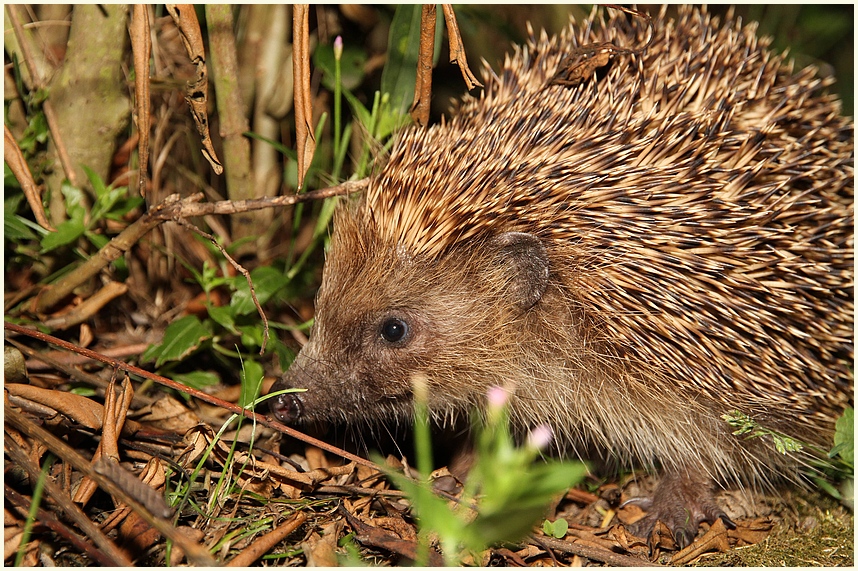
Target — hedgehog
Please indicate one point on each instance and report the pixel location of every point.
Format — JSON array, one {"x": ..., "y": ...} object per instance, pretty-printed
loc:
[{"x": 632, "y": 256}]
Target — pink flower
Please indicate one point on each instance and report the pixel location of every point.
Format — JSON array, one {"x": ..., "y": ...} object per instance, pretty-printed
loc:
[
  {"x": 498, "y": 397},
  {"x": 540, "y": 437}
]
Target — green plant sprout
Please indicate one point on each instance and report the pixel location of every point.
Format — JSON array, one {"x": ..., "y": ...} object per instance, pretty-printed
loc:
[{"x": 507, "y": 491}]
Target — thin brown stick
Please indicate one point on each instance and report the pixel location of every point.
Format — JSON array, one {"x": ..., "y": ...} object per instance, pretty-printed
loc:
[
  {"x": 187, "y": 209},
  {"x": 107, "y": 548},
  {"x": 47, "y": 107},
  {"x": 423, "y": 84},
  {"x": 263, "y": 545},
  {"x": 88, "y": 307},
  {"x": 21, "y": 504},
  {"x": 239, "y": 268},
  {"x": 141, "y": 46},
  {"x": 591, "y": 552},
  {"x": 107, "y": 254},
  {"x": 457, "y": 48},
  {"x": 234, "y": 408}
]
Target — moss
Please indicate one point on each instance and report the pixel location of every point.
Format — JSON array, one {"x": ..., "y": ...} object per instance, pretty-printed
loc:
[{"x": 818, "y": 533}]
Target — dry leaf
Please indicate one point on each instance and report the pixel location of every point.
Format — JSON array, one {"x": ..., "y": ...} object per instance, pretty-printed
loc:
[
  {"x": 197, "y": 92},
  {"x": 141, "y": 47},
  {"x": 321, "y": 551},
  {"x": 75, "y": 407},
  {"x": 168, "y": 413}
]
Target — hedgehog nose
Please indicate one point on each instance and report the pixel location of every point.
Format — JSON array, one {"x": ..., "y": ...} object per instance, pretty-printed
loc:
[{"x": 287, "y": 408}]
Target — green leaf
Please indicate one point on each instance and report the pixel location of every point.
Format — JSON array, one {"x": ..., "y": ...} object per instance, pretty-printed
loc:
[
  {"x": 97, "y": 184},
  {"x": 109, "y": 202},
  {"x": 197, "y": 379},
  {"x": 66, "y": 233},
  {"x": 10, "y": 182},
  {"x": 251, "y": 381},
  {"x": 266, "y": 282},
  {"x": 251, "y": 336},
  {"x": 359, "y": 109},
  {"x": 224, "y": 317},
  {"x": 97, "y": 240},
  {"x": 828, "y": 488},
  {"x": 75, "y": 200},
  {"x": 73, "y": 227},
  {"x": 329, "y": 206},
  {"x": 844, "y": 437},
  {"x": 400, "y": 71},
  {"x": 181, "y": 338},
  {"x": 556, "y": 529},
  {"x": 285, "y": 354},
  {"x": 14, "y": 227}
]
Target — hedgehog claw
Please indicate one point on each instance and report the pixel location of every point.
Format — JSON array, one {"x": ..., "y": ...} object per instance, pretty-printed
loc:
[{"x": 682, "y": 503}]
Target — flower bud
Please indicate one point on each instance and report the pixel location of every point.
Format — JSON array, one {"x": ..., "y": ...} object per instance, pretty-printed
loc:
[
  {"x": 338, "y": 47},
  {"x": 540, "y": 437}
]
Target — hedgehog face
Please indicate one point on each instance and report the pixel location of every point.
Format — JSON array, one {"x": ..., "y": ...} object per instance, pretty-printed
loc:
[{"x": 384, "y": 317}]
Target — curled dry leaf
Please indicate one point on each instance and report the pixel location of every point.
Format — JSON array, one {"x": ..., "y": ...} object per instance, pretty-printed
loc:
[
  {"x": 168, "y": 414},
  {"x": 377, "y": 537},
  {"x": 749, "y": 532},
  {"x": 141, "y": 46},
  {"x": 197, "y": 92},
  {"x": 714, "y": 540},
  {"x": 74, "y": 407},
  {"x": 580, "y": 63},
  {"x": 423, "y": 86},
  {"x": 321, "y": 550},
  {"x": 457, "y": 48},
  {"x": 18, "y": 165},
  {"x": 115, "y": 410},
  {"x": 304, "y": 136}
]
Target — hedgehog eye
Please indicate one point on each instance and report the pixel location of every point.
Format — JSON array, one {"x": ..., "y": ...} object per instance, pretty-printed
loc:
[{"x": 394, "y": 330}]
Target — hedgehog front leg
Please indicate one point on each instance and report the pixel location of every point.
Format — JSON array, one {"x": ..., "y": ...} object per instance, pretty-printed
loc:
[{"x": 681, "y": 501}]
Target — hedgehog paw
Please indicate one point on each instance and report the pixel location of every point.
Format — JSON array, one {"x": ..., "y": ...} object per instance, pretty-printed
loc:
[{"x": 681, "y": 502}]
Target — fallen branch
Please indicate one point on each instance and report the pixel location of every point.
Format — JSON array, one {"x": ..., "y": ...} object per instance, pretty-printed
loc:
[{"x": 172, "y": 208}]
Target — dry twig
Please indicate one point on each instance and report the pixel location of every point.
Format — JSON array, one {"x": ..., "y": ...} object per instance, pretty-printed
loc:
[
  {"x": 423, "y": 86},
  {"x": 195, "y": 553}
]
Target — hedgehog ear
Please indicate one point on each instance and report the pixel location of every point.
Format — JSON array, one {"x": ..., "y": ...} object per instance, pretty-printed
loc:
[{"x": 525, "y": 261}]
